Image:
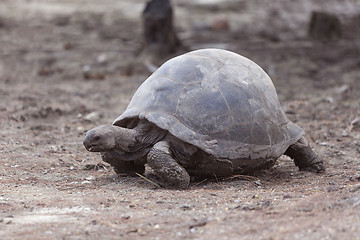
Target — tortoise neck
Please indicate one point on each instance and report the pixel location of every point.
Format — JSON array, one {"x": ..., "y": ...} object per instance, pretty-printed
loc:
[{"x": 124, "y": 138}]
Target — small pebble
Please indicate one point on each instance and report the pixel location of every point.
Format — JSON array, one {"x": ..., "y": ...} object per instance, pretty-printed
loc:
[
  {"x": 185, "y": 207},
  {"x": 332, "y": 189},
  {"x": 93, "y": 116},
  {"x": 355, "y": 178},
  {"x": 86, "y": 68},
  {"x": 355, "y": 188},
  {"x": 102, "y": 58},
  {"x": 90, "y": 178},
  {"x": 257, "y": 182}
]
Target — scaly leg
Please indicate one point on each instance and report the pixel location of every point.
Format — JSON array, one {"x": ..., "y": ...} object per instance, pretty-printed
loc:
[
  {"x": 170, "y": 172},
  {"x": 305, "y": 158}
]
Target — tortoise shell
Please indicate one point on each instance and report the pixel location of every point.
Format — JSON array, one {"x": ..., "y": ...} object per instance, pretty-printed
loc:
[{"x": 218, "y": 101}]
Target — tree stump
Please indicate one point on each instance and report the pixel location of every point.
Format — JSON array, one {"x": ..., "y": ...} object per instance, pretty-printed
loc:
[
  {"x": 324, "y": 26},
  {"x": 159, "y": 35}
]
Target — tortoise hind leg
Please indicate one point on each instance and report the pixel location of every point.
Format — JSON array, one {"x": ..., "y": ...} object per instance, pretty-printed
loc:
[{"x": 305, "y": 158}]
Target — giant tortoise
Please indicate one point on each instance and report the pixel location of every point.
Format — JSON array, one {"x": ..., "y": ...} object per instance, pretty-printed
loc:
[{"x": 208, "y": 112}]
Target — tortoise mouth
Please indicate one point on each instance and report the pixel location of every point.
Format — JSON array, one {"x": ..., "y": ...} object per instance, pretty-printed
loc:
[{"x": 93, "y": 147}]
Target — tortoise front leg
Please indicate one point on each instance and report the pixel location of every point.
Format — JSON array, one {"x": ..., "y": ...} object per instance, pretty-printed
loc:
[
  {"x": 305, "y": 158},
  {"x": 171, "y": 173}
]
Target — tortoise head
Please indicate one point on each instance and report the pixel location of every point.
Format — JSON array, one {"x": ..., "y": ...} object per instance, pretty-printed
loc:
[
  {"x": 100, "y": 139},
  {"x": 109, "y": 137}
]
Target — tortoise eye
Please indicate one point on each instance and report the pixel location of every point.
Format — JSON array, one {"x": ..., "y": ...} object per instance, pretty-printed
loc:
[{"x": 96, "y": 138}]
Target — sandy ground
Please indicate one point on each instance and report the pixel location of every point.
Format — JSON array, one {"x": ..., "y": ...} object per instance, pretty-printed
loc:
[{"x": 63, "y": 70}]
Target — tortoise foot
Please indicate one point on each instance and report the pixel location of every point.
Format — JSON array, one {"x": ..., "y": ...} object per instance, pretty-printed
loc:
[
  {"x": 317, "y": 167},
  {"x": 304, "y": 157}
]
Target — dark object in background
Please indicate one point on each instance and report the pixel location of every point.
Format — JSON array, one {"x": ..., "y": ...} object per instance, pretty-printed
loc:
[
  {"x": 324, "y": 26},
  {"x": 159, "y": 35}
]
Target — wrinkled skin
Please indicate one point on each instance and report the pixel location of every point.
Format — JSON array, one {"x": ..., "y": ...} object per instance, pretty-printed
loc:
[{"x": 108, "y": 137}]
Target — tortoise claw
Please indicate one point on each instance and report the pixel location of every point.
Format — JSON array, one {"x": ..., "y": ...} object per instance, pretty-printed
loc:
[{"x": 316, "y": 167}]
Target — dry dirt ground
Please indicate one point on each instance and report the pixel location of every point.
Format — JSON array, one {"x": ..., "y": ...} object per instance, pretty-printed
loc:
[{"x": 63, "y": 70}]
